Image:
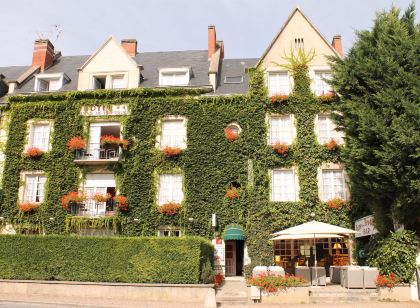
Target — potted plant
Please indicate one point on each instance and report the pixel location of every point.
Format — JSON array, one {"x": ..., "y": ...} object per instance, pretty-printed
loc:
[
  {"x": 281, "y": 148},
  {"x": 232, "y": 193},
  {"x": 72, "y": 201},
  {"x": 124, "y": 144},
  {"x": 332, "y": 145},
  {"x": 101, "y": 197},
  {"x": 109, "y": 141},
  {"x": 33, "y": 152},
  {"x": 218, "y": 280},
  {"x": 327, "y": 97},
  {"x": 26, "y": 206},
  {"x": 276, "y": 98},
  {"x": 76, "y": 144},
  {"x": 231, "y": 134},
  {"x": 336, "y": 203},
  {"x": 169, "y": 152},
  {"x": 122, "y": 202},
  {"x": 170, "y": 209}
]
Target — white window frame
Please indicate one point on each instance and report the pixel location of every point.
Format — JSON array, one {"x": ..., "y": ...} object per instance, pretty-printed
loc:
[
  {"x": 170, "y": 230},
  {"x": 282, "y": 195},
  {"x": 109, "y": 79},
  {"x": 331, "y": 131},
  {"x": 326, "y": 88},
  {"x": 23, "y": 187},
  {"x": 160, "y": 137},
  {"x": 160, "y": 194},
  {"x": 282, "y": 92},
  {"x": 172, "y": 71},
  {"x": 270, "y": 138},
  {"x": 94, "y": 145},
  {"x": 332, "y": 167},
  {"x": 30, "y": 136},
  {"x": 60, "y": 77},
  {"x": 97, "y": 186}
]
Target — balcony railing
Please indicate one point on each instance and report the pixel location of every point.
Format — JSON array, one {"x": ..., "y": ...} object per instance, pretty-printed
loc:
[
  {"x": 97, "y": 155},
  {"x": 91, "y": 208}
]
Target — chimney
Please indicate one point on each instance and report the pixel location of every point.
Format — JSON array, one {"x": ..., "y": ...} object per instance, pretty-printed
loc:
[
  {"x": 212, "y": 40},
  {"x": 130, "y": 46},
  {"x": 221, "y": 45},
  {"x": 336, "y": 44},
  {"x": 43, "y": 55}
]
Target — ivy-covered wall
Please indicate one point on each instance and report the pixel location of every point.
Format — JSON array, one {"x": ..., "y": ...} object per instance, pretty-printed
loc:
[{"x": 210, "y": 163}]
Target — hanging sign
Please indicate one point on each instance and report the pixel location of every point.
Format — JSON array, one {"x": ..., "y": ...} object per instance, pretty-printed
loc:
[
  {"x": 108, "y": 110},
  {"x": 365, "y": 227}
]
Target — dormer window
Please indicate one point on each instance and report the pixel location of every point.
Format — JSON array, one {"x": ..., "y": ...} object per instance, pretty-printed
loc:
[
  {"x": 109, "y": 81},
  {"x": 234, "y": 79},
  {"x": 174, "y": 77},
  {"x": 50, "y": 82}
]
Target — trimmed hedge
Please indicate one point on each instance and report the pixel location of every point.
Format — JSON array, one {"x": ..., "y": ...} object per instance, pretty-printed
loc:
[{"x": 141, "y": 259}]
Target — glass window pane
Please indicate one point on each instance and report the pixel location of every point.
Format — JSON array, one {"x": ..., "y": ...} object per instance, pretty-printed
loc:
[{"x": 283, "y": 185}]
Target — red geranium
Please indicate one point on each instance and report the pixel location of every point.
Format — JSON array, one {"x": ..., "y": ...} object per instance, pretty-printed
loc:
[
  {"x": 281, "y": 148},
  {"x": 331, "y": 145},
  {"x": 272, "y": 283},
  {"x": 110, "y": 140},
  {"x": 388, "y": 281},
  {"x": 327, "y": 97},
  {"x": 27, "y": 206},
  {"x": 336, "y": 203},
  {"x": 101, "y": 197},
  {"x": 231, "y": 134},
  {"x": 218, "y": 280},
  {"x": 278, "y": 98},
  {"x": 76, "y": 143},
  {"x": 33, "y": 152},
  {"x": 169, "y": 209},
  {"x": 232, "y": 193},
  {"x": 72, "y": 197},
  {"x": 122, "y": 202},
  {"x": 171, "y": 151}
]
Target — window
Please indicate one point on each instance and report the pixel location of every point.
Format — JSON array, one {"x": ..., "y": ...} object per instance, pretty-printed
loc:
[
  {"x": 321, "y": 85},
  {"x": 281, "y": 129},
  {"x": 333, "y": 184},
  {"x": 98, "y": 184},
  {"x": 173, "y": 133},
  {"x": 34, "y": 188},
  {"x": 327, "y": 130},
  {"x": 234, "y": 79},
  {"x": 169, "y": 232},
  {"x": 170, "y": 188},
  {"x": 39, "y": 136},
  {"x": 118, "y": 82},
  {"x": 99, "y": 82},
  {"x": 49, "y": 82},
  {"x": 98, "y": 130},
  {"x": 108, "y": 81},
  {"x": 283, "y": 186},
  {"x": 174, "y": 78},
  {"x": 278, "y": 83}
]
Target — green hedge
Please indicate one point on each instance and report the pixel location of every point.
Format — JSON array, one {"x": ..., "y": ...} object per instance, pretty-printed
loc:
[{"x": 151, "y": 259}]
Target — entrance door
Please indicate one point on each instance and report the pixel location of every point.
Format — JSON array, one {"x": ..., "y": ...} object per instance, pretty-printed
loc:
[{"x": 230, "y": 258}]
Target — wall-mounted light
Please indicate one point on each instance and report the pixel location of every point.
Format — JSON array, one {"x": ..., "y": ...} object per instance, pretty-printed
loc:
[
  {"x": 190, "y": 219},
  {"x": 51, "y": 218},
  {"x": 1, "y": 218},
  {"x": 136, "y": 219},
  {"x": 213, "y": 220},
  {"x": 312, "y": 214}
]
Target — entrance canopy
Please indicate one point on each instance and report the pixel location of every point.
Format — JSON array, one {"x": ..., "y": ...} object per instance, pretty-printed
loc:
[
  {"x": 304, "y": 236},
  {"x": 234, "y": 232},
  {"x": 315, "y": 227}
]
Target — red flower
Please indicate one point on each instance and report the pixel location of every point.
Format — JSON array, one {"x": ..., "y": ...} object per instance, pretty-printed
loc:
[
  {"x": 278, "y": 98},
  {"x": 327, "y": 97},
  {"x": 331, "y": 145},
  {"x": 171, "y": 151},
  {"x": 281, "y": 148},
  {"x": 169, "y": 209},
  {"x": 218, "y": 279},
  {"x": 124, "y": 144},
  {"x": 388, "y": 281},
  {"x": 27, "y": 206},
  {"x": 76, "y": 143},
  {"x": 72, "y": 197},
  {"x": 101, "y": 197},
  {"x": 336, "y": 203},
  {"x": 231, "y": 134},
  {"x": 232, "y": 193},
  {"x": 33, "y": 152},
  {"x": 122, "y": 202},
  {"x": 110, "y": 140}
]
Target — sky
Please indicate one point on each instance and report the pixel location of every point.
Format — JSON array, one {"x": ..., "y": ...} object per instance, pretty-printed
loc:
[{"x": 246, "y": 26}]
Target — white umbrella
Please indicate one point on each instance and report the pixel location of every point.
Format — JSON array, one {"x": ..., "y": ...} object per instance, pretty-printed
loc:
[
  {"x": 315, "y": 228},
  {"x": 303, "y": 236}
]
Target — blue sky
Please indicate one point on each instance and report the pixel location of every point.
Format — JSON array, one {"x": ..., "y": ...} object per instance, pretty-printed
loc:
[{"x": 246, "y": 26}]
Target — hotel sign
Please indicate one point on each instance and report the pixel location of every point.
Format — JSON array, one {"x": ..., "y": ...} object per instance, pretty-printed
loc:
[
  {"x": 108, "y": 110},
  {"x": 365, "y": 227}
]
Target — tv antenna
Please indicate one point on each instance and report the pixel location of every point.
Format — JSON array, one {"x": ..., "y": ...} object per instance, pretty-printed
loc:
[{"x": 51, "y": 35}]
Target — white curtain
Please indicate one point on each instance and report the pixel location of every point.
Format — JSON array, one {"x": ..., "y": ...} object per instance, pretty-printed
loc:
[
  {"x": 278, "y": 83},
  {"x": 170, "y": 188},
  {"x": 281, "y": 129},
  {"x": 283, "y": 185}
]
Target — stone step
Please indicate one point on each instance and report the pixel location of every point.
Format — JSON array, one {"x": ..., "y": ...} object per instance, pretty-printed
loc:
[
  {"x": 343, "y": 298},
  {"x": 339, "y": 294},
  {"x": 231, "y": 298}
]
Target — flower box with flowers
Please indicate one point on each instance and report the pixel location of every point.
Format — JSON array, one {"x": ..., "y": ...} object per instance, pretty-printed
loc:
[
  {"x": 327, "y": 97},
  {"x": 33, "y": 152},
  {"x": 122, "y": 202},
  {"x": 73, "y": 201},
  {"x": 169, "y": 152},
  {"x": 170, "y": 209},
  {"x": 281, "y": 149},
  {"x": 76, "y": 144},
  {"x": 101, "y": 197},
  {"x": 332, "y": 145},
  {"x": 232, "y": 193},
  {"x": 218, "y": 280},
  {"x": 277, "y": 98},
  {"x": 336, "y": 203},
  {"x": 271, "y": 283},
  {"x": 390, "y": 288},
  {"x": 26, "y": 207},
  {"x": 231, "y": 134}
]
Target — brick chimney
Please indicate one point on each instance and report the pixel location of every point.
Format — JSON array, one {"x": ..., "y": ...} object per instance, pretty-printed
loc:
[
  {"x": 43, "y": 55},
  {"x": 130, "y": 46},
  {"x": 212, "y": 40},
  {"x": 337, "y": 45}
]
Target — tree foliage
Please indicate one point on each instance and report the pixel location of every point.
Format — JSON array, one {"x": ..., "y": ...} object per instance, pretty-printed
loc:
[{"x": 380, "y": 113}]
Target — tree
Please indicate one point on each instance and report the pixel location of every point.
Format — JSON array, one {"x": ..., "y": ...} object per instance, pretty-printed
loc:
[{"x": 380, "y": 114}]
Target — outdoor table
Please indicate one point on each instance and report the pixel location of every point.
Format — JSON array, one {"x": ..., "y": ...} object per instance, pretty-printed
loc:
[
  {"x": 304, "y": 272},
  {"x": 320, "y": 274}
]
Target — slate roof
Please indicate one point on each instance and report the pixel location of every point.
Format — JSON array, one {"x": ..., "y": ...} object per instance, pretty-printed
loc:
[{"x": 151, "y": 61}]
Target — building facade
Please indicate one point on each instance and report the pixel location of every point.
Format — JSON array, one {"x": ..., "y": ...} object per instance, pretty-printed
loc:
[{"x": 177, "y": 143}]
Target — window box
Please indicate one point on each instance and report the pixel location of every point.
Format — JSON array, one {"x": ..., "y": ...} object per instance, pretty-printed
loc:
[
  {"x": 170, "y": 209},
  {"x": 27, "y": 207},
  {"x": 169, "y": 152},
  {"x": 33, "y": 153},
  {"x": 281, "y": 149}
]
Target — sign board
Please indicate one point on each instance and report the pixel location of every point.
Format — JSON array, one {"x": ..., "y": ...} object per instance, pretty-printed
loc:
[
  {"x": 365, "y": 227},
  {"x": 108, "y": 110}
]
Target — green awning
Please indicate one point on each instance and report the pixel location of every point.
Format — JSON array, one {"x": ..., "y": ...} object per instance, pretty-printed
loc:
[{"x": 234, "y": 232}]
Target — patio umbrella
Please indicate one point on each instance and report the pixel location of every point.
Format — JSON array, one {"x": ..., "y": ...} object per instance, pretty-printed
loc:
[
  {"x": 315, "y": 228},
  {"x": 303, "y": 236}
]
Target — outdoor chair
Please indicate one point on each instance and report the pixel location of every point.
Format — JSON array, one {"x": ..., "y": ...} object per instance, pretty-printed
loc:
[
  {"x": 335, "y": 274},
  {"x": 320, "y": 274},
  {"x": 353, "y": 278},
  {"x": 304, "y": 272}
]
